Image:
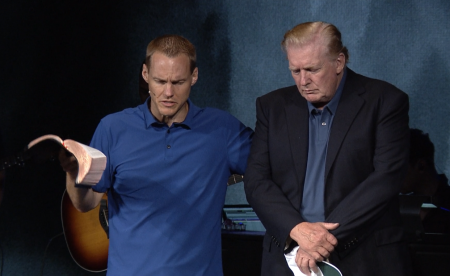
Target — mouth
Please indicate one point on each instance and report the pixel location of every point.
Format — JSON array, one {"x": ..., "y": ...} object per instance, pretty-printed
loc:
[
  {"x": 168, "y": 103},
  {"x": 308, "y": 91}
]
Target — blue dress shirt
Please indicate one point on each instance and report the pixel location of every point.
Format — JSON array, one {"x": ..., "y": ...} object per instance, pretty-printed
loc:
[{"x": 312, "y": 207}]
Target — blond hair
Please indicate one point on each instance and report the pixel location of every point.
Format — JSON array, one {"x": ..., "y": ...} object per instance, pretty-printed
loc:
[
  {"x": 314, "y": 31},
  {"x": 172, "y": 46}
]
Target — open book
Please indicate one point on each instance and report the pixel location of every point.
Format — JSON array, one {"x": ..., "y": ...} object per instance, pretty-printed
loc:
[
  {"x": 91, "y": 162},
  {"x": 325, "y": 268}
]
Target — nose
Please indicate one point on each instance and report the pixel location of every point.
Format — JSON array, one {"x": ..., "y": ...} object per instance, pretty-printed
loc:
[
  {"x": 304, "y": 78},
  {"x": 168, "y": 90}
]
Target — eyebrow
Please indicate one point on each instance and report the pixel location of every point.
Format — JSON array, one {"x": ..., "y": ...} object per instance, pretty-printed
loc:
[
  {"x": 309, "y": 67},
  {"x": 172, "y": 81}
]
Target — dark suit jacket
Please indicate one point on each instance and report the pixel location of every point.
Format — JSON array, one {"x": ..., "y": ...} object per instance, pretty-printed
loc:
[{"x": 365, "y": 166}]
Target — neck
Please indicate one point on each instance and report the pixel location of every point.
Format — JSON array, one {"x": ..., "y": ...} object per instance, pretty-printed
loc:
[{"x": 178, "y": 117}]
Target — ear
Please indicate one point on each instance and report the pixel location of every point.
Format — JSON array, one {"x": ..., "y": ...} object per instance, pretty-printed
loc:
[
  {"x": 194, "y": 76},
  {"x": 340, "y": 63},
  {"x": 145, "y": 72}
]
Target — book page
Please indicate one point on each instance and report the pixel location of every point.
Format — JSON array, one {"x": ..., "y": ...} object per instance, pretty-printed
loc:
[
  {"x": 45, "y": 137},
  {"x": 44, "y": 148}
]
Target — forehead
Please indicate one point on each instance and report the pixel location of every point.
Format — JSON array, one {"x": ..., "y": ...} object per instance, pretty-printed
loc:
[
  {"x": 162, "y": 63},
  {"x": 306, "y": 55}
]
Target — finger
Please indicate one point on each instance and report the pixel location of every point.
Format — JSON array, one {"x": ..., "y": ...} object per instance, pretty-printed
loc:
[
  {"x": 321, "y": 254},
  {"x": 329, "y": 246},
  {"x": 302, "y": 260},
  {"x": 69, "y": 163},
  {"x": 304, "y": 266},
  {"x": 61, "y": 155},
  {"x": 63, "y": 158},
  {"x": 317, "y": 257},
  {"x": 301, "y": 254},
  {"x": 330, "y": 226},
  {"x": 332, "y": 239},
  {"x": 313, "y": 266}
]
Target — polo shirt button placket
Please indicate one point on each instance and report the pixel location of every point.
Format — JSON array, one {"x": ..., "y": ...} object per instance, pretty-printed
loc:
[{"x": 169, "y": 140}]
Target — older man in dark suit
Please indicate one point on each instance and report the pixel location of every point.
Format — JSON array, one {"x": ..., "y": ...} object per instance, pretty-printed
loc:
[{"x": 327, "y": 163}]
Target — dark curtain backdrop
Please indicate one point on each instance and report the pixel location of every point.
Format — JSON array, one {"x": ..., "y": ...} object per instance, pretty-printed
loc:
[{"x": 66, "y": 64}]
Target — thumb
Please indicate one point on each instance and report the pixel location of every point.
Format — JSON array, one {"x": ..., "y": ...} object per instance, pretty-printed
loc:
[{"x": 330, "y": 226}]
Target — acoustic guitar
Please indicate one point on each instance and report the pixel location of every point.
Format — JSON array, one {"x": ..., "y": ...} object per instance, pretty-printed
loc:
[{"x": 86, "y": 234}]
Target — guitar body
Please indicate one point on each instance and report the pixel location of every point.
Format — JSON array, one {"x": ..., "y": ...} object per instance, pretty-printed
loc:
[{"x": 86, "y": 239}]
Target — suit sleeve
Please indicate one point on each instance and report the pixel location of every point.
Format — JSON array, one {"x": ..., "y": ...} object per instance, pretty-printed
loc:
[
  {"x": 273, "y": 207},
  {"x": 371, "y": 200}
]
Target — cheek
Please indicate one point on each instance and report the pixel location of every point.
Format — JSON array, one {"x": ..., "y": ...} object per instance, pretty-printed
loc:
[
  {"x": 297, "y": 79},
  {"x": 301, "y": 93},
  {"x": 297, "y": 82},
  {"x": 155, "y": 92},
  {"x": 328, "y": 87},
  {"x": 151, "y": 87},
  {"x": 184, "y": 91},
  {"x": 156, "y": 89}
]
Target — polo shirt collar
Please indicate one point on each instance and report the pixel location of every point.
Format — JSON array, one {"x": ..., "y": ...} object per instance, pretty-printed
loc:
[{"x": 188, "y": 121}]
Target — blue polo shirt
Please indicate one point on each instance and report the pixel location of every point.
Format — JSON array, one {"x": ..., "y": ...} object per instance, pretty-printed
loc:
[
  {"x": 312, "y": 208},
  {"x": 166, "y": 188}
]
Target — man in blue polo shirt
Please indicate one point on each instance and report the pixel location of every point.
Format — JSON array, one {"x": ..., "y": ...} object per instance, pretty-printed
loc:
[{"x": 168, "y": 164}]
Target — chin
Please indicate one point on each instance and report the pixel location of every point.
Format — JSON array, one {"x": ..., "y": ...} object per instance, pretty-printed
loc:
[
  {"x": 167, "y": 111},
  {"x": 167, "y": 114}
]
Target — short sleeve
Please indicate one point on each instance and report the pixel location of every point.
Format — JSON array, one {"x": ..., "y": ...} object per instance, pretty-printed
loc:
[
  {"x": 101, "y": 141},
  {"x": 239, "y": 142}
]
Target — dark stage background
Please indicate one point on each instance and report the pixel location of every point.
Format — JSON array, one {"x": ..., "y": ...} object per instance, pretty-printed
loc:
[{"x": 66, "y": 64}]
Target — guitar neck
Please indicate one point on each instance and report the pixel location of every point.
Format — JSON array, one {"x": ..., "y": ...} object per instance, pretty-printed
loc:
[{"x": 10, "y": 161}]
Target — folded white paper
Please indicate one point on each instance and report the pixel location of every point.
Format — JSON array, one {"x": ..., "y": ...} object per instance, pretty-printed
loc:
[{"x": 331, "y": 270}]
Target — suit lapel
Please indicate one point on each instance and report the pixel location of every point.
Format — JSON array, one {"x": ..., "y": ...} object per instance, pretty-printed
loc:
[{"x": 348, "y": 108}]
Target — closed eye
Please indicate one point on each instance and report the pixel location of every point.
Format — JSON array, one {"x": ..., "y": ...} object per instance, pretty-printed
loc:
[
  {"x": 158, "y": 81},
  {"x": 295, "y": 71}
]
